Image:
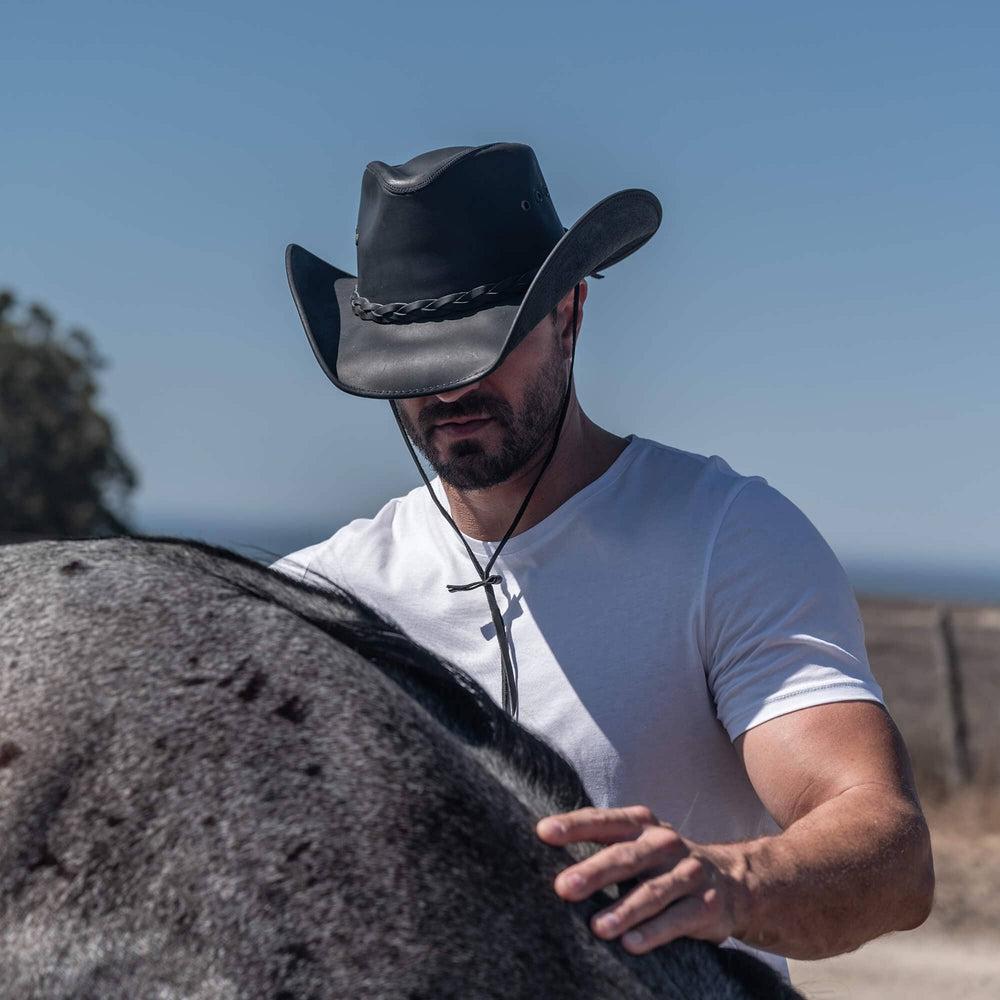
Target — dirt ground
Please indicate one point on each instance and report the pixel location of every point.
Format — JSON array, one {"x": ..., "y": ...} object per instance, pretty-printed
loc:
[{"x": 956, "y": 954}]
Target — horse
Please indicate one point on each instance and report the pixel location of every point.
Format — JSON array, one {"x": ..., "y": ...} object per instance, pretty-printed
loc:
[{"x": 217, "y": 782}]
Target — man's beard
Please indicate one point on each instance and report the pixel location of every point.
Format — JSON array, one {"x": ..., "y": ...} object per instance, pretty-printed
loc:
[{"x": 470, "y": 466}]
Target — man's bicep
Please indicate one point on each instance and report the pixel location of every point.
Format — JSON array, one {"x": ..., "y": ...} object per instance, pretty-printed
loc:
[{"x": 800, "y": 760}]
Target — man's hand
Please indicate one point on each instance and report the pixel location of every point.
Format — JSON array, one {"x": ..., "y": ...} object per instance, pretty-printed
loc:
[
  {"x": 686, "y": 889},
  {"x": 853, "y": 860}
]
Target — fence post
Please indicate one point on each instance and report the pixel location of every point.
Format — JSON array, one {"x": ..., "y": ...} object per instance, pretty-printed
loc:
[{"x": 959, "y": 770}]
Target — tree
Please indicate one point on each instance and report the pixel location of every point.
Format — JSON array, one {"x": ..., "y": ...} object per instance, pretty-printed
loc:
[{"x": 61, "y": 472}]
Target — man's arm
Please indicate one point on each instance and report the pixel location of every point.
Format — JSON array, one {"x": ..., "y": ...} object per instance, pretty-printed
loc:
[{"x": 853, "y": 860}]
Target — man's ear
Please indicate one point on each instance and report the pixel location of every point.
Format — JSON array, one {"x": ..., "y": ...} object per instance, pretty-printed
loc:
[
  {"x": 566, "y": 317},
  {"x": 567, "y": 300}
]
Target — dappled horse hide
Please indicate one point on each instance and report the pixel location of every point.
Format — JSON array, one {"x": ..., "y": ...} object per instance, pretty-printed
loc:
[{"x": 216, "y": 782}]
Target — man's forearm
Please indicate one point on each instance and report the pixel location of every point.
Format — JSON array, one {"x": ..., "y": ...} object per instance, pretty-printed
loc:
[{"x": 857, "y": 866}]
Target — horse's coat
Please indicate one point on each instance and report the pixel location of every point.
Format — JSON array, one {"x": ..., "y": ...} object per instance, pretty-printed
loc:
[{"x": 218, "y": 783}]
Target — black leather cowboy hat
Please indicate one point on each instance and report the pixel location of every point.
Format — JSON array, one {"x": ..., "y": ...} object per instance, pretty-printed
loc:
[{"x": 460, "y": 255}]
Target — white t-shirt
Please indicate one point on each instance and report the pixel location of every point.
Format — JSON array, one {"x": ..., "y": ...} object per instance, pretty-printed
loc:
[{"x": 660, "y": 612}]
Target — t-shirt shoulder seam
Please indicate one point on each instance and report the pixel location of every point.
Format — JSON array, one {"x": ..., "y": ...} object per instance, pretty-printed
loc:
[
  {"x": 650, "y": 443},
  {"x": 717, "y": 462}
]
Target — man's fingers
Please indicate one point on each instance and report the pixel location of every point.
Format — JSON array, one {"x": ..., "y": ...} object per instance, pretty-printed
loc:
[
  {"x": 602, "y": 826},
  {"x": 680, "y": 895},
  {"x": 651, "y": 897},
  {"x": 656, "y": 847},
  {"x": 693, "y": 916}
]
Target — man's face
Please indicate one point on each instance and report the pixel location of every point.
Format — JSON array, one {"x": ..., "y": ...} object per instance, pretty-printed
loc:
[{"x": 482, "y": 434}]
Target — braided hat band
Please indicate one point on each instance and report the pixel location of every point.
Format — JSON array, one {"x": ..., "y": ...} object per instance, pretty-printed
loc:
[
  {"x": 457, "y": 303},
  {"x": 454, "y": 304}
]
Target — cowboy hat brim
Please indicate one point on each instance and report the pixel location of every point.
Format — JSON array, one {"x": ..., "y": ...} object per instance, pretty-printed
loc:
[{"x": 402, "y": 360}]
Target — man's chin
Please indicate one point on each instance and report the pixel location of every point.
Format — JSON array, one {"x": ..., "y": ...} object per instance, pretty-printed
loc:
[{"x": 471, "y": 467}]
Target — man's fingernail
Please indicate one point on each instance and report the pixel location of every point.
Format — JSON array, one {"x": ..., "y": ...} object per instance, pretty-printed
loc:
[
  {"x": 571, "y": 882},
  {"x": 633, "y": 939},
  {"x": 609, "y": 923},
  {"x": 551, "y": 826}
]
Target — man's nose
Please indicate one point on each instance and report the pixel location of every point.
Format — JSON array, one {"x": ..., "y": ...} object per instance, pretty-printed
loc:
[{"x": 453, "y": 394}]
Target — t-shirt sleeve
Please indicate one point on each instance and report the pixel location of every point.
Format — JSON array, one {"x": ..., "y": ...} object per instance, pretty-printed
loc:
[
  {"x": 295, "y": 564},
  {"x": 781, "y": 626},
  {"x": 315, "y": 564}
]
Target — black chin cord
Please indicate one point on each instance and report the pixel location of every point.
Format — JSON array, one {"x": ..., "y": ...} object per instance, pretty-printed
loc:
[{"x": 488, "y": 580}]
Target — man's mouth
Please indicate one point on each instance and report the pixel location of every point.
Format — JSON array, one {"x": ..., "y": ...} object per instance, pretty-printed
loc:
[{"x": 461, "y": 426}]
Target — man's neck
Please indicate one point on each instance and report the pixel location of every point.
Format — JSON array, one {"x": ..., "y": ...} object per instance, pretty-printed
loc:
[{"x": 585, "y": 452}]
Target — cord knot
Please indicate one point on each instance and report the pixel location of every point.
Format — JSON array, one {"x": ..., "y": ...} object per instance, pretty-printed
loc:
[{"x": 487, "y": 581}]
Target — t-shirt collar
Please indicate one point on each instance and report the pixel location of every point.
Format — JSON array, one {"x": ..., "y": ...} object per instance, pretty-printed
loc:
[{"x": 553, "y": 522}]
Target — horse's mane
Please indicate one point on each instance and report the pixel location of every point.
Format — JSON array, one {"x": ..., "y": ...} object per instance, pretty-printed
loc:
[{"x": 445, "y": 690}]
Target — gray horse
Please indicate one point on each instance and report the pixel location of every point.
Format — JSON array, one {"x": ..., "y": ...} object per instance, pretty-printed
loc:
[{"x": 216, "y": 782}]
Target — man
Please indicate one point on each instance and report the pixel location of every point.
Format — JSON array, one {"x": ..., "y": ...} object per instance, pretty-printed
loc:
[{"x": 680, "y": 632}]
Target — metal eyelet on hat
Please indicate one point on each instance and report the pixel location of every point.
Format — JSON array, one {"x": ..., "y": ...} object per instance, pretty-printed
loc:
[
  {"x": 525, "y": 205},
  {"x": 538, "y": 195}
]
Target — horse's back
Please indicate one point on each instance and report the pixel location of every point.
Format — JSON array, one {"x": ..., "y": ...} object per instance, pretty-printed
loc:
[{"x": 207, "y": 794}]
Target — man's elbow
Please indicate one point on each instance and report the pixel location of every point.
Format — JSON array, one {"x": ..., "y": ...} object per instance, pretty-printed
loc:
[{"x": 918, "y": 899}]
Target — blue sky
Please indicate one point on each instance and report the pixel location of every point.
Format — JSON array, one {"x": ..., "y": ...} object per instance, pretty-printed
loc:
[{"x": 820, "y": 306}]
